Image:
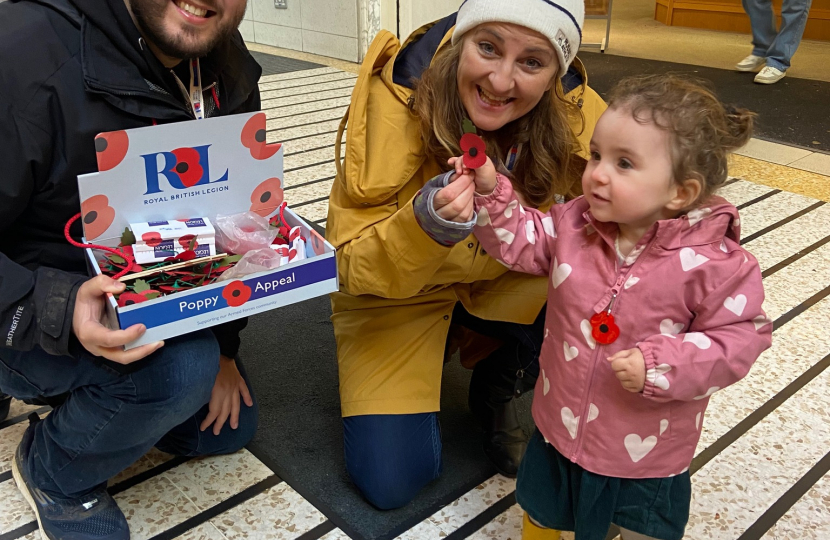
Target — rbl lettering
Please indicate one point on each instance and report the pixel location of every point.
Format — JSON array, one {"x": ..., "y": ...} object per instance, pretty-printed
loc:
[{"x": 183, "y": 168}]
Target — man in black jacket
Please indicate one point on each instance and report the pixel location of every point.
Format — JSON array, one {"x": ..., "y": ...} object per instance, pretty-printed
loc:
[{"x": 70, "y": 69}]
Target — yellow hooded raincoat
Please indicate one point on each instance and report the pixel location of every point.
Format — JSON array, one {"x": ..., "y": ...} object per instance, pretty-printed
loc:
[{"x": 398, "y": 287}]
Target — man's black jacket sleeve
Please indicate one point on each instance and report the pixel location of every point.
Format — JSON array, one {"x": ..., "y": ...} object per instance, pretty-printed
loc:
[{"x": 36, "y": 307}]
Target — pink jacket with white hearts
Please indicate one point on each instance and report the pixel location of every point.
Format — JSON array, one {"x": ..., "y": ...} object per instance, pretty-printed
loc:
[{"x": 688, "y": 296}]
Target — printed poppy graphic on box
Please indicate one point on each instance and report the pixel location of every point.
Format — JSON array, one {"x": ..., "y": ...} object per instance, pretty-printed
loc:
[
  {"x": 253, "y": 138},
  {"x": 97, "y": 216},
  {"x": 110, "y": 149},
  {"x": 236, "y": 293},
  {"x": 211, "y": 167}
]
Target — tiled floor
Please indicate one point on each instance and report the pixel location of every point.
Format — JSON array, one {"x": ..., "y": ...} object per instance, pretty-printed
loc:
[
  {"x": 762, "y": 463},
  {"x": 796, "y": 158}
]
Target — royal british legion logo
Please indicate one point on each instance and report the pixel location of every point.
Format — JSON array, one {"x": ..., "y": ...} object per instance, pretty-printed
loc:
[{"x": 182, "y": 168}]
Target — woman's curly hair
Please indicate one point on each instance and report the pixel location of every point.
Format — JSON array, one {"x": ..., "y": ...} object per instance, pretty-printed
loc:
[{"x": 703, "y": 131}]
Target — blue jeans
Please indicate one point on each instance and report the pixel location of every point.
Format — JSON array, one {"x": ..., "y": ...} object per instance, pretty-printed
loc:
[
  {"x": 111, "y": 417},
  {"x": 777, "y": 46},
  {"x": 391, "y": 457}
]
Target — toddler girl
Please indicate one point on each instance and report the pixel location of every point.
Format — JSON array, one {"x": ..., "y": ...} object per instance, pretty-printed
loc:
[{"x": 652, "y": 307}]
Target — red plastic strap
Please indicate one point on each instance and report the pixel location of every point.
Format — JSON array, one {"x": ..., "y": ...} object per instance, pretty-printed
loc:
[
  {"x": 282, "y": 213},
  {"x": 215, "y": 97},
  {"x": 284, "y": 228},
  {"x": 130, "y": 260}
]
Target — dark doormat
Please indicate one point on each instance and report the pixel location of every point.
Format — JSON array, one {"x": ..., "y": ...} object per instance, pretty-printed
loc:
[
  {"x": 273, "y": 65},
  {"x": 289, "y": 354},
  {"x": 791, "y": 111}
]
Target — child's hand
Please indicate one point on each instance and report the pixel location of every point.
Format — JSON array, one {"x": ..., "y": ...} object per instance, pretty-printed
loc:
[
  {"x": 630, "y": 368},
  {"x": 484, "y": 176},
  {"x": 460, "y": 170}
]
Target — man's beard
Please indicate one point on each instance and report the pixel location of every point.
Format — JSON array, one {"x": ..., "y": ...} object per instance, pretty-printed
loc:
[{"x": 149, "y": 16}]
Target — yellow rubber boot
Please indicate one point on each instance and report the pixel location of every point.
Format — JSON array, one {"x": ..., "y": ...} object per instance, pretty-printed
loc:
[{"x": 531, "y": 531}]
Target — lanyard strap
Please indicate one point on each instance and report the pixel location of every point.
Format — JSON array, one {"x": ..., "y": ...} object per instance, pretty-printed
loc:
[
  {"x": 196, "y": 89},
  {"x": 513, "y": 156}
]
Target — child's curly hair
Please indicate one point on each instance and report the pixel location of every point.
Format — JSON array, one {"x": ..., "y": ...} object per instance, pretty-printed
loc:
[{"x": 703, "y": 132}]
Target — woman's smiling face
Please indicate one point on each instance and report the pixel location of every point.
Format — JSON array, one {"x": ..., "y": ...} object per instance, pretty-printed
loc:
[{"x": 503, "y": 72}]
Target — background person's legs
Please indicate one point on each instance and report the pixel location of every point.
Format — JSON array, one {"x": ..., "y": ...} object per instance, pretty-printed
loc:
[
  {"x": 762, "y": 19},
  {"x": 391, "y": 457},
  {"x": 109, "y": 419},
  {"x": 793, "y": 20}
]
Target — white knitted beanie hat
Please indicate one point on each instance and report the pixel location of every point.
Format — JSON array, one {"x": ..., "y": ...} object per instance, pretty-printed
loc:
[{"x": 559, "y": 20}]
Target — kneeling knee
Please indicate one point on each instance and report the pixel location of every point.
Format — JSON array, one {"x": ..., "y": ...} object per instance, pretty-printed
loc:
[
  {"x": 391, "y": 458},
  {"x": 385, "y": 491}
]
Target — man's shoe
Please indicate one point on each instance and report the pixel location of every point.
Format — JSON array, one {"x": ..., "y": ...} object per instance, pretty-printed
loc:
[
  {"x": 769, "y": 75},
  {"x": 5, "y": 405},
  {"x": 751, "y": 63},
  {"x": 94, "y": 516}
]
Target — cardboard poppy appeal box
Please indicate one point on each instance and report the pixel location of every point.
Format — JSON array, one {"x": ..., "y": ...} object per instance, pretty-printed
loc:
[{"x": 188, "y": 170}]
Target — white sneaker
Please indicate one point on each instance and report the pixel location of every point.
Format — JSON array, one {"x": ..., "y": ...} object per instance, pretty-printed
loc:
[
  {"x": 750, "y": 63},
  {"x": 769, "y": 75}
]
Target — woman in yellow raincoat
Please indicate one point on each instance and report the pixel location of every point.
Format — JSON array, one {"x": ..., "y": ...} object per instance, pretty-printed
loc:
[{"x": 508, "y": 67}]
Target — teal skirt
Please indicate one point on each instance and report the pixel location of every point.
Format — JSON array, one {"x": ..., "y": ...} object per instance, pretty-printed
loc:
[{"x": 559, "y": 494}]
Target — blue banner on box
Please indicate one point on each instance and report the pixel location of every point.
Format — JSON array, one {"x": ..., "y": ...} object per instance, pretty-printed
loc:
[{"x": 235, "y": 293}]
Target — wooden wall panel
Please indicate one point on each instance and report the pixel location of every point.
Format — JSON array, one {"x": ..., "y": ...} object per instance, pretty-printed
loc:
[{"x": 728, "y": 15}]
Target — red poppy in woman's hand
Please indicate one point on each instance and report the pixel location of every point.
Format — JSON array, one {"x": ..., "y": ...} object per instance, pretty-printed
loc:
[
  {"x": 603, "y": 328},
  {"x": 474, "y": 150}
]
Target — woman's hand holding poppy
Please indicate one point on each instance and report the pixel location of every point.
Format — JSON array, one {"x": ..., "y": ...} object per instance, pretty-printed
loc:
[{"x": 455, "y": 202}]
